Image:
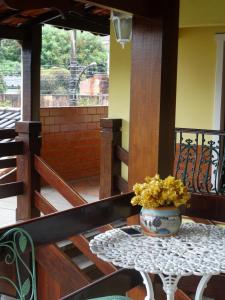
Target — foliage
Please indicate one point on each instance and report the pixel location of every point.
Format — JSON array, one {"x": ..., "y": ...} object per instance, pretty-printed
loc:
[
  {"x": 56, "y": 50},
  {"x": 156, "y": 192},
  {"x": 55, "y": 81},
  {"x": 2, "y": 85},
  {"x": 10, "y": 57},
  {"x": 91, "y": 49},
  {"x": 55, "y": 47},
  {"x": 10, "y": 50}
]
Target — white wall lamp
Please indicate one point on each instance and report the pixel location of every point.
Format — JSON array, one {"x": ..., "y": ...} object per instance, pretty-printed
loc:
[{"x": 122, "y": 23}]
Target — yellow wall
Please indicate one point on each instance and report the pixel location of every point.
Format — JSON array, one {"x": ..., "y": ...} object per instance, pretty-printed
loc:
[
  {"x": 196, "y": 69},
  {"x": 199, "y": 13},
  {"x": 119, "y": 88},
  {"x": 196, "y": 77}
]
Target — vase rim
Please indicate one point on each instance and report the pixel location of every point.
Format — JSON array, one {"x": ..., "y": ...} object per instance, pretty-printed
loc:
[{"x": 162, "y": 208}]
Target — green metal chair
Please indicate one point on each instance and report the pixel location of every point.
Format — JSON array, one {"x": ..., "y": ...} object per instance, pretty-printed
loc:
[{"x": 16, "y": 247}]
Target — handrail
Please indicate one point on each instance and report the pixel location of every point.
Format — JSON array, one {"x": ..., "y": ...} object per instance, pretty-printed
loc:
[
  {"x": 7, "y": 134},
  {"x": 61, "y": 225},
  {"x": 11, "y": 189},
  {"x": 11, "y": 148},
  {"x": 50, "y": 176},
  {"x": 7, "y": 163},
  {"x": 122, "y": 155},
  {"x": 197, "y": 130}
]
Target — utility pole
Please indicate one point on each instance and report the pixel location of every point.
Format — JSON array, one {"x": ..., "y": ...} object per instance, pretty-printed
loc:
[{"x": 74, "y": 70}]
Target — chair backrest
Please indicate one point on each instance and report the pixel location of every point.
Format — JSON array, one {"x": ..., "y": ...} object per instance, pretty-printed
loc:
[{"x": 116, "y": 284}]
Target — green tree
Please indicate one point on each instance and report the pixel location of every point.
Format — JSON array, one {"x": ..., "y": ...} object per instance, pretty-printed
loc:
[
  {"x": 55, "y": 47},
  {"x": 56, "y": 50},
  {"x": 90, "y": 48},
  {"x": 54, "y": 81},
  {"x": 2, "y": 85},
  {"x": 10, "y": 57}
]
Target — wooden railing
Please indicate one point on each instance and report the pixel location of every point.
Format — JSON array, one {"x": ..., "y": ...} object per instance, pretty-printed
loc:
[
  {"x": 47, "y": 230},
  {"x": 199, "y": 159},
  {"x": 9, "y": 148},
  {"x": 52, "y": 253},
  {"x": 56, "y": 271},
  {"x": 112, "y": 155},
  {"x": 31, "y": 169}
]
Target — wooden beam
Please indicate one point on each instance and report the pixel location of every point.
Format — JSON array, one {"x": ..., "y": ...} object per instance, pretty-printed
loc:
[
  {"x": 61, "y": 268},
  {"x": 206, "y": 207},
  {"x": 7, "y": 163},
  {"x": 43, "y": 18},
  {"x": 77, "y": 220},
  {"x": 153, "y": 95},
  {"x": 92, "y": 24},
  {"x": 11, "y": 148},
  {"x": 7, "y": 32},
  {"x": 31, "y": 56},
  {"x": 79, "y": 241},
  {"x": 117, "y": 283},
  {"x": 27, "y": 5},
  {"x": 42, "y": 204},
  {"x": 47, "y": 287},
  {"x": 122, "y": 155},
  {"x": 28, "y": 135},
  {"x": 145, "y": 8},
  {"x": 9, "y": 177},
  {"x": 109, "y": 165},
  {"x": 7, "y": 134},
  {"x": 180, "y": 295},
  {"x": 58, "y": 183},
  {"x": 121, "y": 184},
  {"x": 11, "y": 189}
]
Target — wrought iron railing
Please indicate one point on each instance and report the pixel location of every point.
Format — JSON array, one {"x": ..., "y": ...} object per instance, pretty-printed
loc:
[{"x": 200, "y": 159}]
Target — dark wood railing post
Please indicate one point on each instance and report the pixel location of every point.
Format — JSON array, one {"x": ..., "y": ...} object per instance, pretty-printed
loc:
[
  {"x": 109, "y": 164},
  {"x": 28, "y": 133}
]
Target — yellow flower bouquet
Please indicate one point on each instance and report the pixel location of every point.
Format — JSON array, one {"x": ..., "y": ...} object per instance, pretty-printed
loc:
[
  {"x": 156, "y": 192},
  {"x": 160, "y": 199}
]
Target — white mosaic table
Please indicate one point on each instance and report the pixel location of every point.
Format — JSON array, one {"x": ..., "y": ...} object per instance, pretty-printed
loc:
[{"x": 197, "y": 249}]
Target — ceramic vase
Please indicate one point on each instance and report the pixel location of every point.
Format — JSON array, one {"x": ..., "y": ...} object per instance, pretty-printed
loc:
[{"x": 160, "y": 222}]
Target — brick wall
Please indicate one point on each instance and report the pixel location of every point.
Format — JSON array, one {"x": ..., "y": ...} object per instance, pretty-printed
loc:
[{"x": 71, "y": 139}]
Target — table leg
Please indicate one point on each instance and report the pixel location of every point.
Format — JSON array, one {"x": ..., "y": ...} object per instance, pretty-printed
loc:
[
  {"x": 149, "y": 287},
  {"x": 201, "y": 286},
  {"x": 169, "y": 285}
]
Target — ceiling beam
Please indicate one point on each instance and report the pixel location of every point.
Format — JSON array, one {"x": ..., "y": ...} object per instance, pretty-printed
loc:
[
  {"x": 7, "y": 32},
  {"x": 9, "y": 14},
  {"x": 144, "y": 8},
  {"x": 26, "y": 5},
  {"x": 82, "y": 23},
  {"x": 46, "y": 17}
]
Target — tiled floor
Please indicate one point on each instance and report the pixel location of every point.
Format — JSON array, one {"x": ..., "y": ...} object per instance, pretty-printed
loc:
[{"x": 88, "y": 188}]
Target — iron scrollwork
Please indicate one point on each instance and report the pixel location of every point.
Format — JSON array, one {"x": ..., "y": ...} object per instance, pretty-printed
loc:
[
  {"x": 15, "y": 244},
  {"x": 200, "y": 161}
]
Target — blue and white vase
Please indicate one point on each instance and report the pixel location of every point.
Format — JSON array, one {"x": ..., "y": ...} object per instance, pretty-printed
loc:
[{"x": 160, "y": 222}]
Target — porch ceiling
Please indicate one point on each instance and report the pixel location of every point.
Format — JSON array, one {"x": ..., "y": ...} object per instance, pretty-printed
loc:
[{"x": 67, "y": 14}]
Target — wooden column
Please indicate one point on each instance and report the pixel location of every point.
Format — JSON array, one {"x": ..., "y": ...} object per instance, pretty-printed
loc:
[
  {"x": 28, "y": 132},
  {"x": 109, "y": 165},
  {"x": 153, "y": 94},
  {"x": 31, "y": 57}
]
